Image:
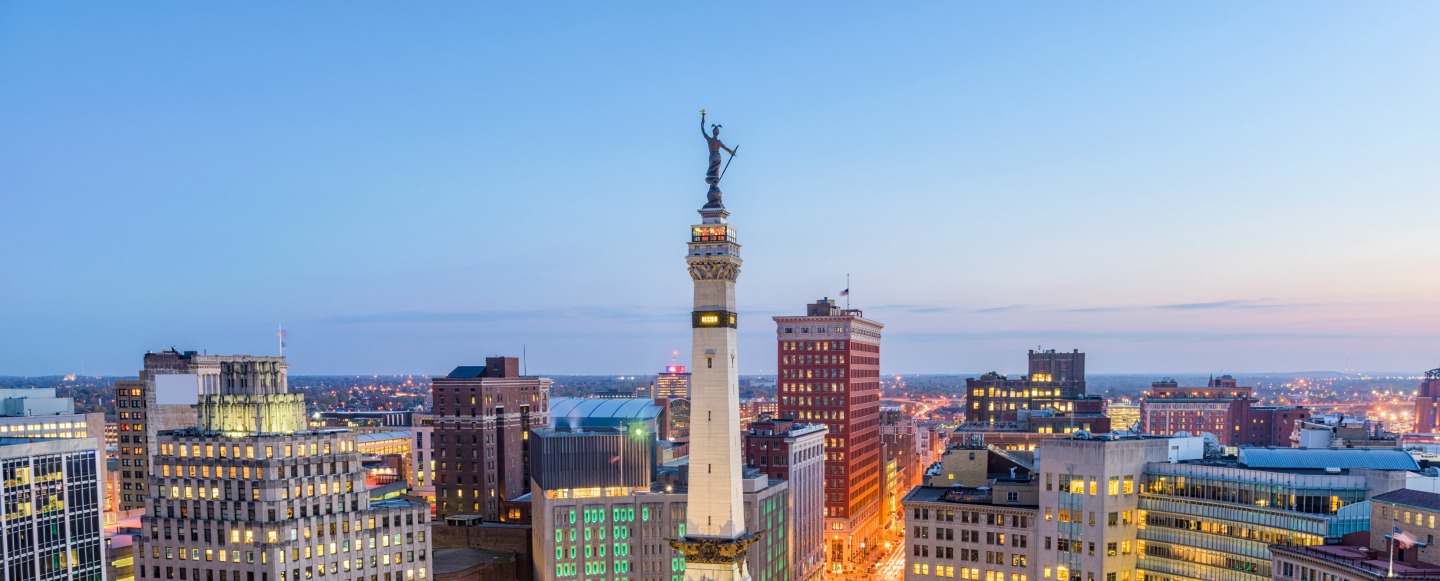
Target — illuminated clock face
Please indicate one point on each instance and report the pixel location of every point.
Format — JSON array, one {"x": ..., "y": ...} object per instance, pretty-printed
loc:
[{"x": 701, "y": 319}]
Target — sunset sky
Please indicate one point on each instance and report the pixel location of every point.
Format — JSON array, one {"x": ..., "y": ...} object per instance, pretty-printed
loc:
[{"x": 1169, "y": 187}]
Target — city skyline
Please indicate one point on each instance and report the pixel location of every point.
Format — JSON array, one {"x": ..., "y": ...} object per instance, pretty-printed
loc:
[{"x": 1223, "y": 191}]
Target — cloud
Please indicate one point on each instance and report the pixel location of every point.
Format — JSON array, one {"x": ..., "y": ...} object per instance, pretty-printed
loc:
[
  {"x": 1237, "y": 304},
  {"x": 1003, "y": 309},
  {"x": 1050, "y": 335},
  {"x": 623, "y": 313}
]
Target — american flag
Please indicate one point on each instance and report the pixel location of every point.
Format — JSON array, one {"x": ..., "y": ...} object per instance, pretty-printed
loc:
[
  {"x": 1405, "y": 539},
  {"x": 616, "y": 459},
  {"x": 845, "y": 293}
]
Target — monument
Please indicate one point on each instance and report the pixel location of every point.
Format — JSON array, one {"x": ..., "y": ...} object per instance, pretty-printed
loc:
[{"x": 715, "y": 539}]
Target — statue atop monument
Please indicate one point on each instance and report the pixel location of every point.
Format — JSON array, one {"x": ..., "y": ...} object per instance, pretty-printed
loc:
[{"x": 714, "y": 173}]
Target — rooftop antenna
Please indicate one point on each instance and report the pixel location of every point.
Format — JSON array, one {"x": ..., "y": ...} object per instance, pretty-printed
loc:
[{"x": 524, "y": 359}]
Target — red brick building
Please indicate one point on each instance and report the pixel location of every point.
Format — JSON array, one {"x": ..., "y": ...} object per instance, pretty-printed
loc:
[
  {"x": 829, "y": 373},
  {"x": 480, "y": 446},
  {"x": 1222, "y": 408},
  {"x": 1427, "y": 403}
]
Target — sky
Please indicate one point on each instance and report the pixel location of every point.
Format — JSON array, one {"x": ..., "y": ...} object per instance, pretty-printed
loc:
[{"x": 1169, "y": 187}]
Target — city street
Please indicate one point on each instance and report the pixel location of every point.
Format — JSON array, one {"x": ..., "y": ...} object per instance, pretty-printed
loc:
[{"x": 892, "y": 566}]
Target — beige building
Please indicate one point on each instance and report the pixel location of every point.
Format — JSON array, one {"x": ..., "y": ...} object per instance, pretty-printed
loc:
[
  {"x": 252, "y": 495},
  {"x": 972, "y": 533},
  {"x": 163, "y": 398},
  {"x": 1089, "y": 491},
  {"x": 960, "y": 466}
]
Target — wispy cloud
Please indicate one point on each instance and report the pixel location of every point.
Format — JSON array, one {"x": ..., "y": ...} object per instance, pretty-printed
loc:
[
  {"x": 1143, "y": 336},
  {"x": 1231, "y": 304},
  {"x": 624, "y": 313},
  {"x": 1004, "y": 309}
]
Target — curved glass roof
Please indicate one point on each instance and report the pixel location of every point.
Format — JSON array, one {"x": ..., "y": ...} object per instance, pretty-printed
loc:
[
  {"x": 597, "y": 413},
  {"x": 1312, "y": 459}
]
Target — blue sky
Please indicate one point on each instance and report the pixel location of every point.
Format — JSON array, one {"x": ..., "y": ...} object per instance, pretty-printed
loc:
[{"x": 1168, "y": 187}]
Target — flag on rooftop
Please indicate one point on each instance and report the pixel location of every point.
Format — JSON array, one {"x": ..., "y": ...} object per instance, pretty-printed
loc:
[{"x": 1405, "y": 539}]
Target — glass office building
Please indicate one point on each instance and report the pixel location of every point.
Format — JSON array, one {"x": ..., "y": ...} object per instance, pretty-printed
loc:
[{"x": 1215, "y": 520}]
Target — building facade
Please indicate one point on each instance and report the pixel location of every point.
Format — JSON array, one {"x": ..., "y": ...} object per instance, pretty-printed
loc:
[
  {"x": 1217, "y": 520},
  {"x": 597, "y": 518},
  {"x": 164, "y": 398},
  {"x": 1427, "y": 403},
  {"x": 1376, "y": 558},
  {"x": 673, "y": 383},
  {"x": 480, "y": 420},
  {"x": 140, "y": 415},
  {"x": 1089, "y": 495},
  {"x": 829, "y": 373},
  {"x": 971, "y": 533},
  {"x": 252, "y": 494},
  {"x": 1055, "y": 379},
  {"x": 795, "y": 453},
  {"x": 422, "y": 471},
  {"x": 1222, "y": 408},
  {"x": 51, "y": 519}
]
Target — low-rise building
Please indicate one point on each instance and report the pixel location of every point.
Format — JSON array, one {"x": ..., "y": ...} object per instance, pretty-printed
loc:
[
  {"x": 1413, "y": 512},
  {"x": 958, "y": 532}
]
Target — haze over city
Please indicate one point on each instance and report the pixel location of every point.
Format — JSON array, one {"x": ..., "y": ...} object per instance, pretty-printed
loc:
[{"x": 1169, "y": 188}]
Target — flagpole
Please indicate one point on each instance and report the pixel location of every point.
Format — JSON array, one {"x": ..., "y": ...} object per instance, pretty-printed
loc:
[
  {"x": 847, "y": 291},
  {"x": 1392, "y": 556}
]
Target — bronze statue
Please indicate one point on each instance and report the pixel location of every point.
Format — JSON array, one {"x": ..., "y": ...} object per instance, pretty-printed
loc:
[{"x": 714, "y": 173}]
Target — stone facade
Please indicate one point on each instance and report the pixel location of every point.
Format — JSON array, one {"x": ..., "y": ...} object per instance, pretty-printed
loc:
[
  {"x": 238, "y": 505},
  {"x": 970, "y": 533}
]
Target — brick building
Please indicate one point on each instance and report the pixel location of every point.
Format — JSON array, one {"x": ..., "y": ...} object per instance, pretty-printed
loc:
[
  {"x": 1427, "y": 403},
  {"x": 479, "y": 442},
  {"x": 1050, "y": 399},
  {"x": 1222, "y": 408},
  {"x": 829, "y": 373}
]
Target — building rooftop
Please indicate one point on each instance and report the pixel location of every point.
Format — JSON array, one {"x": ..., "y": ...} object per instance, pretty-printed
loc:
[
  {"x": 956, "y": 495},
  {"x": 1372, "y": 562},
  {"x": 1413, "y": 498},
  {"x": 457, "y": 559},
  {"x": 1320, "y": 459},
  {"x": 583, "y": 412}
]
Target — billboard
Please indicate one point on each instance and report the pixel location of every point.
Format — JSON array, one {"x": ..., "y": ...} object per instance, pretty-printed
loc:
[{"x": 177, "y": 388}]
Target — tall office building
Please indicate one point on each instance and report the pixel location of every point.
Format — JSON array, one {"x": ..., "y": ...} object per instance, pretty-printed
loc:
[
  {"x": 673, "y": 383},
  {"x": 253, "y": 494},
  {"x": 164, "y": 398},
  {"x": 51, "y": 518},
  {"x": 1055, "y": 384},
  {"x": 1427, "y": 403},
  {"x": 39, "y": 413},
  {"x": 829, "y": 373},
  {"x": 480, "y": 421},
  {"x": 795, "y": 453},
  {"x": 1089, "y": 500}
]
